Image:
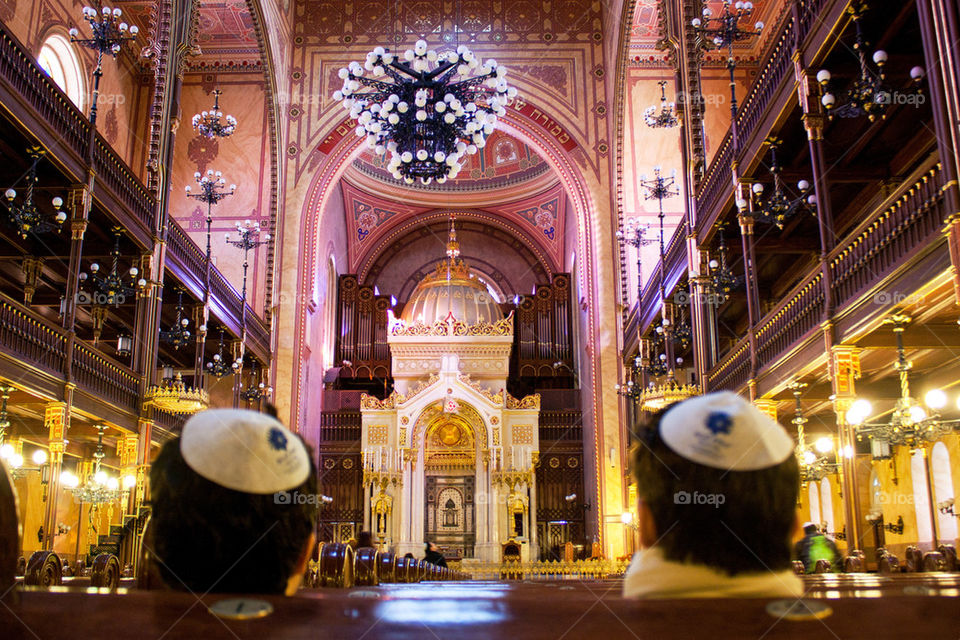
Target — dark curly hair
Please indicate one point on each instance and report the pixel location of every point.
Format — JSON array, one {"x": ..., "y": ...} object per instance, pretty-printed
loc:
[{"x": 208, "y": 538}]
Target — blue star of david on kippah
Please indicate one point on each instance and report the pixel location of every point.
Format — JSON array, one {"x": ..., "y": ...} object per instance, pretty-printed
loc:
[
  {"x": 719, "y": 422},
  {"x": 277, "y": 440}
]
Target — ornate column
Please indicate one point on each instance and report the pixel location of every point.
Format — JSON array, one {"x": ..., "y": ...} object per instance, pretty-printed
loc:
[
  {"x": 753, "y": 297},
  {"x": 129, "y": 457},
  {"x": 844, "y": 369},
  {"x": 79, "y": 202},
  {"x": 940, "y": 29},
  {"x": 56, "y": 421},
  {"x": 532, "y": 535},
  {"x": 768, "y": 406}
]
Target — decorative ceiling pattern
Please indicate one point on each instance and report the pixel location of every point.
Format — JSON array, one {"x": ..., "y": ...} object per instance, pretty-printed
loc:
[
  {"x": 369, "y": 218},
  {"x": 504, "y": 161},
  {"x": 226, "y": 32}
]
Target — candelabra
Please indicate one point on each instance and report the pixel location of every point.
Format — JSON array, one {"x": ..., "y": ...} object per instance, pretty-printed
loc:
[
  {"x": 108, "y": 35},
  {"x": 813, "y": 461},
  {"x": 209, "y": 123},
  {"x": 634, "y": 236},
  {"x": 722, "y": 280},
  {"x": 217, "y": 366},
  {"x": 212, "y": 191},
  {"x": 174, "y": 396},
  {"x": 5, "y": 392},
  {"x": 666, "y": 117},
  {"x": 724, "y": 33},
  {"x": 111, "y": 289},
  {"x": 25, "y": 217},
  {"x": 780, "y": 206},
  {"x": 426, "y": 121},
  {"x": 256, "y": 390},
  {"x": 179, "y": 335},
  {"x": 248, "y": 239},
  {"x": 868, "y": 95},
  {"x": 911, "y": 423},
  {"x": 100, "y": 488}
]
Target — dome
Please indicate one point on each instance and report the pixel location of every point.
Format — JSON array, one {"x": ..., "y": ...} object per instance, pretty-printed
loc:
[{"x": 451, "y": 290}]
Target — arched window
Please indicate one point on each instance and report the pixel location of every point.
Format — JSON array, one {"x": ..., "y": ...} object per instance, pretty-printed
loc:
[
  {"x": 876, "y": 493},
  {"x": 943, "y": 490},
  {"x": 59, "y": 59},
  {"x": 826, "y": 505},
  {"x": 921, "y": 500},
  {"x": 813, "y": 493},
  {"x": 330, "y": 314}
]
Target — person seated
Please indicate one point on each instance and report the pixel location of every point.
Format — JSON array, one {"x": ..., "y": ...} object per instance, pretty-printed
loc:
[
  {"x": 365, "y": 539},
  {"x": 433, "y": 555},
  {"x": 717, "y": 482},
  {"x": 816, "y": 546},
  {"x": 234, "y": 505}
]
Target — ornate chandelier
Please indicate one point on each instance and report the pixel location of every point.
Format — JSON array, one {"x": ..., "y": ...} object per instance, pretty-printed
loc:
[
  {"x": 100, "y": 488},
  {"x": 112, "y": 288},
  {"x": 179, "y": 335},
  {"x": 912, "y": 423},
  {"x": 108, "y": 34},
  {"x": 779, "y": 206},
  {"x": 666, "y": 117},
  {"x": 633, "y": 234},
  {"x": 417, "y": 111},
  {"x": 26, "y": 218},
  {"x": 868, "y": 95},
  {"x": 218, "y": 367},
  {"x": 658, "y": 396},
  {"x": 813, "y": 461},
  {"x": 722, "y": 280},
  {"x": 174, "y": 396},
  {"x": 256, "y": 390},
  {"x": 213, "y": 124}
]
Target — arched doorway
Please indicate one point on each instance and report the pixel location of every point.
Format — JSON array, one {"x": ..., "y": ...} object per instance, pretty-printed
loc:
[{"x": 450, "y": 462}]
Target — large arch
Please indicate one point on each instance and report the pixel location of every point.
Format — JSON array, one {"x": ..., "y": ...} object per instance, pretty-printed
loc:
[{"x": 583, "y": 186}]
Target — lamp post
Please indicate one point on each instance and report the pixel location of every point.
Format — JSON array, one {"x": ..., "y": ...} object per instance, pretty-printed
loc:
[
  {"x": 108, "y": 35},
  {"x": 659, "y": 188},
  {"x": 724, "y": 30},
  {"x": 247, "y": 240}
]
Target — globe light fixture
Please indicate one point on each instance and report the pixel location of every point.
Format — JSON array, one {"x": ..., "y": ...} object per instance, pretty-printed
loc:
[
  {"x": 781, "y": 205},
  {"x": 213, "y": 124},
  {"x": 25, "y": 217},
  {"x": 427, "y": 110},
  {"x": 664, "y": 117},
  {"x": 108, "y": 35}
]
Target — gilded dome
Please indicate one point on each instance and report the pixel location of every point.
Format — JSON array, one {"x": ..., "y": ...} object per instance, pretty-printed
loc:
[{"x": 451, "y": 290}]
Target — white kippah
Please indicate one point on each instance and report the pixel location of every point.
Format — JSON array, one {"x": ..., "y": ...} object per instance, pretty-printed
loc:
[
  {"x": 725, "y": 431},
  {"x": 244, "y": 450}
]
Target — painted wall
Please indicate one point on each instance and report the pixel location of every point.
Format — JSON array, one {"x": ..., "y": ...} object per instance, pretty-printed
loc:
[{"x": 244, "y": 159}]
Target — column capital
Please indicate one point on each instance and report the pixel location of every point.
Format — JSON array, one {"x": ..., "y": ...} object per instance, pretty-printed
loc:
[
  {"x": 844, "y": 369},
  {"x": 746, "y": 224},
  {"x": 767, "y": 406}
]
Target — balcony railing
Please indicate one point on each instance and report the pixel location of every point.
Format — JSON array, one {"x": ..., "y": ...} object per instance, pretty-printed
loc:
[
  {"x": 30, "y": 338},
  {"x": 561, "y": 425},
  {"x": 904, "y": 225},
  {"x": 40, "y": 344},
  {"x": 340, "y": 426}
]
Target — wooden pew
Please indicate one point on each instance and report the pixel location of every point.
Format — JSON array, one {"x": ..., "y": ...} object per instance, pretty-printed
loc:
[{"x": 366, "y": 566}]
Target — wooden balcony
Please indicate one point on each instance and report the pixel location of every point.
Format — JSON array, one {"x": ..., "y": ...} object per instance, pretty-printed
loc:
[
  {"x": 33, "y": 100},
  {"x": 902, "y": 230},
  {"x": 34, "y": 353},
  {"x": 773, "y": 92}
]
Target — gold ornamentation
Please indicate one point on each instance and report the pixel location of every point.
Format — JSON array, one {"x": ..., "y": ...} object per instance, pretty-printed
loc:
[
  {"x": 403, "y": 434},
  {"x": 523, "y": 434},
  {"x": 527, "y": 402},
  {"x": 495, "y": 398},
  {"x": 377, "y": 434},
  {"x": 666, "y": 393},
  {"x": 176, "y": 397},
  {"x": 496, "y": 437},
  {"x": 452, "y": 327}
]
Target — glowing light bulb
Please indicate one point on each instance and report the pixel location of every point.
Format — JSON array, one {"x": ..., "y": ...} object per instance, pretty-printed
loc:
[{"x": 824, "y": 445}]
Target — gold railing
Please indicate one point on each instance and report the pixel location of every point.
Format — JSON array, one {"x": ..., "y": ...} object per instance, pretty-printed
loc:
[{"x": 548, "y": 570}]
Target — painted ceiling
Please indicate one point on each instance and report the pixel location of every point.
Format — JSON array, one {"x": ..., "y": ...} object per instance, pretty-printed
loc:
[
  {"x": 371, "y": 219},
  {"x": 504, "y": 161}
]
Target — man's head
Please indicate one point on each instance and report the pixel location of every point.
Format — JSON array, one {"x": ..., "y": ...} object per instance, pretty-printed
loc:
[
  {"x": 718, "y": 485},
  {"x": 431, "y": 547},
  {"x": 810, "y": 528},
  {"x": 234, "y": 505}
]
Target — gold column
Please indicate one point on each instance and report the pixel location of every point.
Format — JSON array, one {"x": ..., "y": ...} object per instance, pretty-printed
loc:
[
  {"x": 127, "y": 452},
  {"x": 768, "y": 406},
  {"x": 845, "y": 368},
  {"x": 55, "y": 419}
]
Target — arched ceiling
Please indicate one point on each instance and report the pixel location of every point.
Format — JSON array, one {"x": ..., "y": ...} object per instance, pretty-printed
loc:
[{"x": 504, "y": 161}]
